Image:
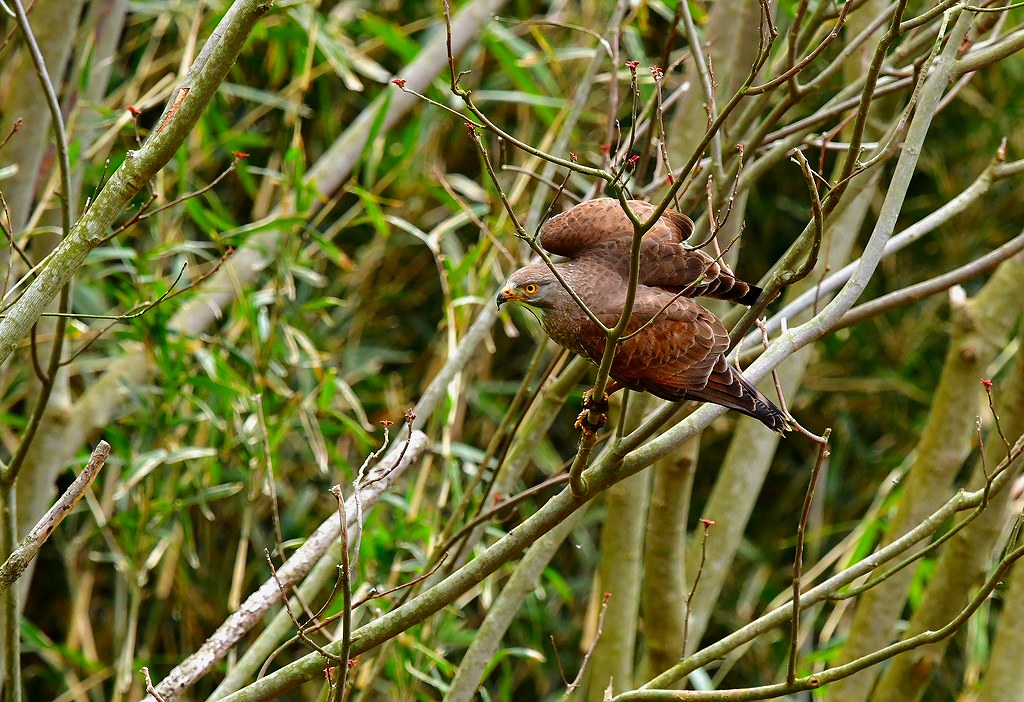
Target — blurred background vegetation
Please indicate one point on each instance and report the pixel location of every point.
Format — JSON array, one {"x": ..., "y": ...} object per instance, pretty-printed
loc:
[{"x": 363, "y": 302}]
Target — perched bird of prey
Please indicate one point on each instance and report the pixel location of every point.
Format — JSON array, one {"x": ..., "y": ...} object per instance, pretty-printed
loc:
[{"x": 678, "y": 350}]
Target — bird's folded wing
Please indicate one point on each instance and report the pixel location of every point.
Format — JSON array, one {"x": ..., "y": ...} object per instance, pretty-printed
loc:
[
  {"x": 692, "y": 272},
  {"x": 677, "y": 344},
  {"x": 596, "y": 221}
]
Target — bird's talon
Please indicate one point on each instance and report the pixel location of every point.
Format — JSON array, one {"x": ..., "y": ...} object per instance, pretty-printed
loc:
[
  {"x": 594, "y": 414},
  {"x": 595, "y": 406},
  {"x": 590, "y": 421}
]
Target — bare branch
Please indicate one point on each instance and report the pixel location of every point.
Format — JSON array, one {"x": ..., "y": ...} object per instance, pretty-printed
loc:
[{"x": 18, "y": 561}]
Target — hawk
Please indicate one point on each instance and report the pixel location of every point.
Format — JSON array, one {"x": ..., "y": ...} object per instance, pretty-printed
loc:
[{"x": 677, "y": 348}]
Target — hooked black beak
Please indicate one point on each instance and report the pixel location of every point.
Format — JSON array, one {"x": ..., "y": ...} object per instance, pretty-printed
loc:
[{"x": 504, "y": 296}]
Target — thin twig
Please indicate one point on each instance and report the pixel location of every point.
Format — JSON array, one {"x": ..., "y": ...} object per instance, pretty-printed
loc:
[
  {"x": 145, "y": 213},
  {"x": 346, "y": 596},
  {"x": 372, "y": 595},
  {"x": 271, "y": 482},
  {"x": 169, "y": 294},
  {"x": 15, "y": 127},
  {"x": 691, "y": 290},
  {"x": 706, "y": 524},
  {"x": 10, "y": 240},
  {"x": 505, "y": 504},
  {"x": 299, "y": 628},
  {"x": 150, "y": 690},
  {"x": 560, "y": 188},
  {"x": 818, "y": 218},
  {"x": 984, "y": 461},
  {"x": 790, "y": 419},
  {"x": 995, "y": 416},
  {"x": 571, "y": 687},
  {"x": 798, "y": 560}
]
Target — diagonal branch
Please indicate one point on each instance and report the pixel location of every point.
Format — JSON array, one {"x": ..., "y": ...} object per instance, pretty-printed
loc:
[{"x": 180, "y": 116}]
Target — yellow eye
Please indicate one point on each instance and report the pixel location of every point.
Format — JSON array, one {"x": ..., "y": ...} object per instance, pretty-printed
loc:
[{"x": 530, "y": 288}]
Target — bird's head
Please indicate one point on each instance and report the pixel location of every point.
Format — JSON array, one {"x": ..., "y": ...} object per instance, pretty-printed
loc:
[{"x": 534, "y": 286}]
